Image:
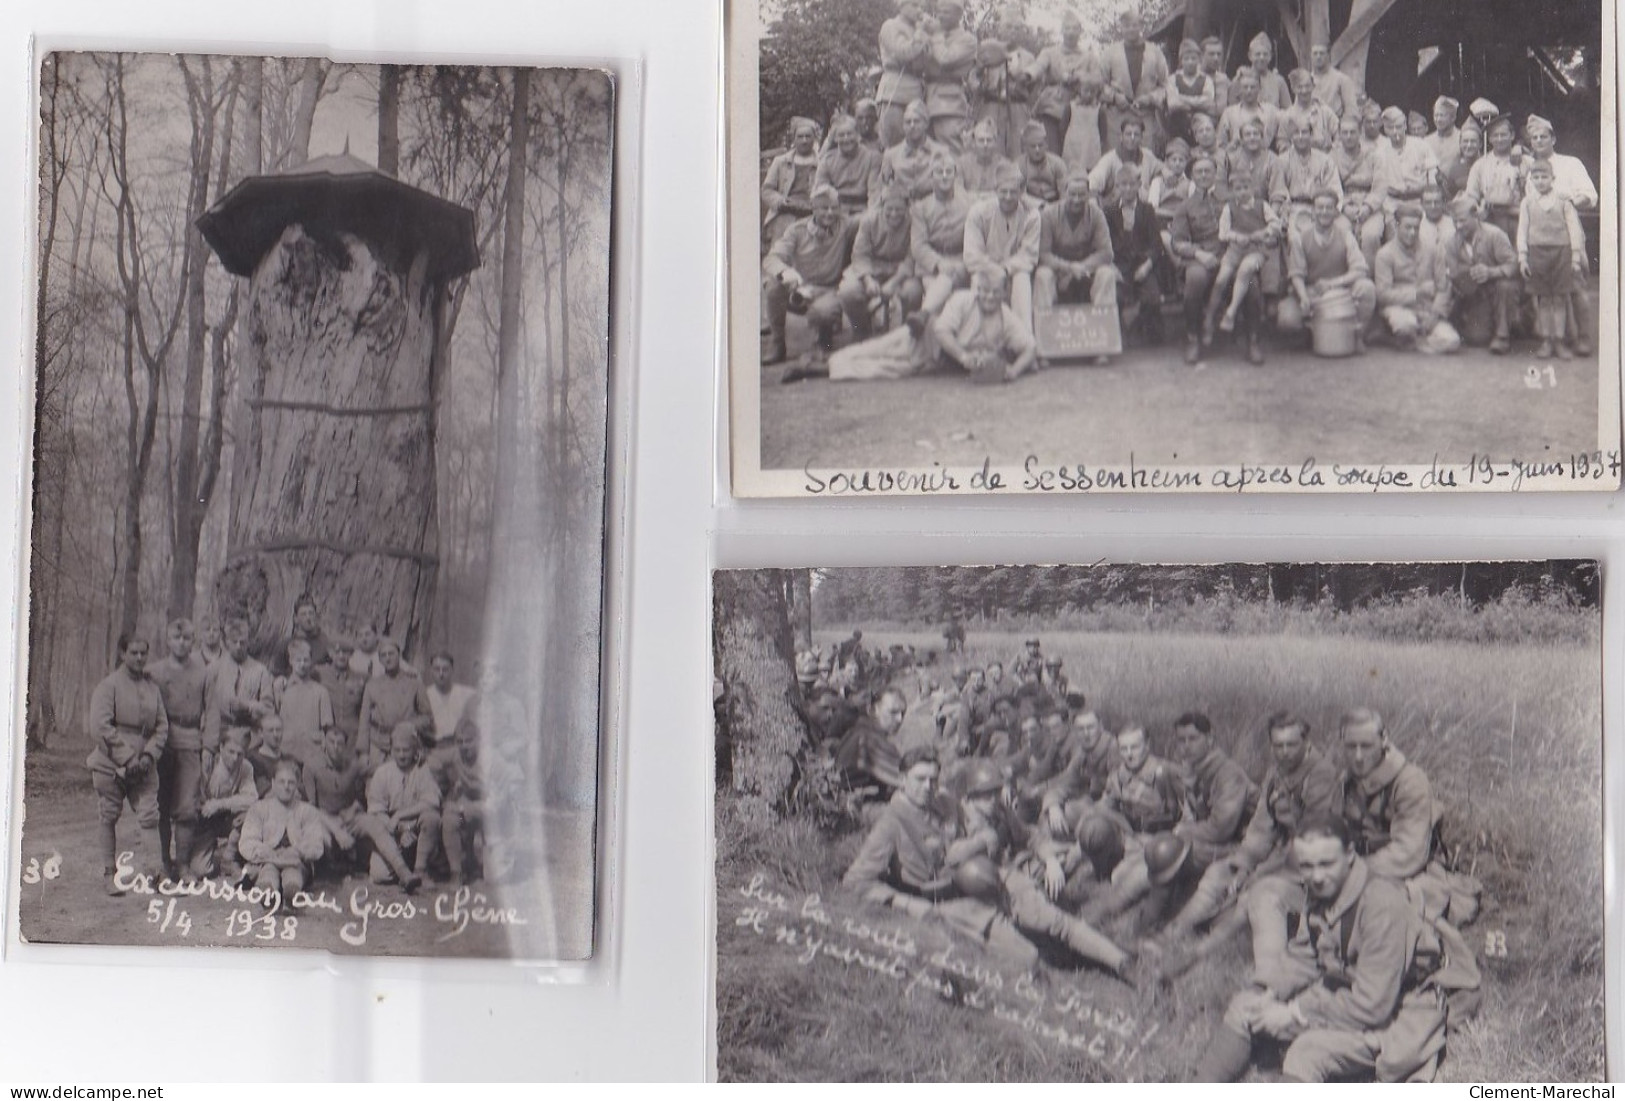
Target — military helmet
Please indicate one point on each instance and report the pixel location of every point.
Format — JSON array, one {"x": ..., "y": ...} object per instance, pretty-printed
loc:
[
  {"x": 1165, "y": 856},
  {"x": 983, "y": 778},
  {"x": 978, "y": 878}
]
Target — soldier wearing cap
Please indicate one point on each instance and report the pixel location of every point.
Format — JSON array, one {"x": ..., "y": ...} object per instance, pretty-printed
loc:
[
  {"x": 787, "y": 187},
  {"x": 802, "y": 271},
  {"x": 1445, "y": 140},
  {"x": 1273, "y": 89},
  {"x": 1404, "y": 165},
  {"x": 1031, "y": 659},
  {"x": 1362, "y": 995},
  {"x": 1570, "y": 181},
  {"x": 905, "y": 45},
  {"x": 1413, "y": 288},
  {"x": 1483, "y": 278},
  {"x": 1002, "y": 235},
  {"x": 937, "y": 238},
  {"x": 851, "y": 168},
  {"x": 880, "y": 262}
]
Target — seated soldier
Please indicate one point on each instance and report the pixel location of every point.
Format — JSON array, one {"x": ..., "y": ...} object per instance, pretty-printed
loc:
[
  {"x": 1143, "y": 797},
  {"x": 1137, "y": 253},
  {"x": 1323, "y": 258},
  {"x": 1001, "y": 236},
  {"x": 880, "y": 264},
  {"x": 1413, "y": 288},
  {"x": 909, "y": 163},
  {"x": 475, "y": 830},
  {"x": 1483, "y": 279},
  {"x": 403, "y": 796},
  {"x": 282, "y": 836},
  {"x": 1031, "y": 869},
  {"x": 1387, "y": 801},
  {"x": 1088, "y": 760},
  {"x": 1438, "y": 229},
  {"x": 1301, "y": 782},
  {"x": 336, "y": 787},
  {"x": 788, "y": 183},
  {"x": 979, "y": 166},
  {"x": 1365, "y": 999},
  {"x": 228, "y": 791},
  {"x": 1042, "y": 172},
  {"x": 867, "y": 752},
  {"x": 904, "y": 863},
  {"x": 1074, "y": 251},
  {"x": 978, "y": 331},
  {"x": 1217, "y": 798},
  {"x": 345, "y": 687},
  {"x": 802, "y": 271},
  {"x": 851, "y": 168},
  {"x": 1128, "y": 153},
  {"x": 1301, "y": 173}
]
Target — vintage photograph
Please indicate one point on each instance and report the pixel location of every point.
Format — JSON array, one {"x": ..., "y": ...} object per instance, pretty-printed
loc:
[
  {"x": 316, "y": 554},
  {"x": 1116, "y": 823},
  {"x": 1073, "y": 246}
]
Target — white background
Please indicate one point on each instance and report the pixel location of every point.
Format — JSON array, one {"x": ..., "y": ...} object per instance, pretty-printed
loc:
[{"x": 72, "y": 1015}]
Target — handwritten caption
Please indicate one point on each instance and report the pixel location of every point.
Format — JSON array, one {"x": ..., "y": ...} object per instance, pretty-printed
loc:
[
  {"x": 1039, "y": 476},
  {"x": 267, "y": 914},
  {"x": 803, "y": 927}
]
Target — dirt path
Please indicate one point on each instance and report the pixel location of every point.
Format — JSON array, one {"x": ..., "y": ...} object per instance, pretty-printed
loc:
[{"x": 1385, "y": 406}]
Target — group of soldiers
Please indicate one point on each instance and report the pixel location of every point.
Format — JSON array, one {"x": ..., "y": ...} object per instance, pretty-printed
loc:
[
  {"x": 329, "y": 756},
  {"x": 1021, "y": 821},
  {"x": 982, "y": 185}
]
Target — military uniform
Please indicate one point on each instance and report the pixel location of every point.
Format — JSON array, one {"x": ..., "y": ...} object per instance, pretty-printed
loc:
[
  {"x": 1392, "y": 815},
  {"x": 1364, "y": 1000}
]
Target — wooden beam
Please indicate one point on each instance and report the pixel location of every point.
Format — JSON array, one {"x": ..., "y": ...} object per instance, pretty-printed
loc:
[{"x": 1363, "y": 19}]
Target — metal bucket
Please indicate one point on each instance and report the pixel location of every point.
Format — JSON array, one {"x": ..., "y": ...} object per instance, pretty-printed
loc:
[{"x": 1334, "y": 324}]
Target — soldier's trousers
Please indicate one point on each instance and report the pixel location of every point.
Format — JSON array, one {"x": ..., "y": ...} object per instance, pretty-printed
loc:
[
  {"x": 996, "y": 933},
  {"x": 1407, "y": 1050},
  {"x": 1032, "y": 911}
]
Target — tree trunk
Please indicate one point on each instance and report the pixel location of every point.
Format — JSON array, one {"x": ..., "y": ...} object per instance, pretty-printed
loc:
[
  {"x": 801, "y": 607},
  {"x": 333, "y": 486},
  {"x": 253, "y": 116},
  {"x": 310, "y": 91},
  {"x": 760, "y": 732},
  {"x": 189, "y": 508},
  {"x": 389, "y": 119}
]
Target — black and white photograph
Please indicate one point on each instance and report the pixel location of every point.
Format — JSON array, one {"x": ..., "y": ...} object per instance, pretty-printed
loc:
[
  {"x": 1085, "y": 246},
  {"x": 1287, "y": 822},
  {"x": 316, "y": 544}
]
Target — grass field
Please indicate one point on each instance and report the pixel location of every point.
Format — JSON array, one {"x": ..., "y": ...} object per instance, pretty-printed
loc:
[
  {"x": 1510, "y": 736},
  {"x": 63, "y": 899},
  {"x": 1384, "y": 406}
]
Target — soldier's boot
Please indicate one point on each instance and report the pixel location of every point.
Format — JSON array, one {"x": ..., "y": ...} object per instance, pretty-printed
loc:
[
  {"x": 1225, "y": 1059},
  {"x": 185, "y": 834},
  {"x": 1091, "y": 944}
]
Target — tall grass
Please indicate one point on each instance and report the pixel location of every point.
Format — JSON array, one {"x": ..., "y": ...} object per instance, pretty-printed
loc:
[{"x": 1510, "y": 736}]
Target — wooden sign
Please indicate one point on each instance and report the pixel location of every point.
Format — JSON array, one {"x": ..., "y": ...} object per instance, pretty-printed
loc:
[{"x": 1077, "y": 332}]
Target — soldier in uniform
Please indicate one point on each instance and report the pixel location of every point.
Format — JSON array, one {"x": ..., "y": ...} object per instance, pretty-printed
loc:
[
  {"x": 1142, "y": 797},
  {"x": 1301, "y": 782},
  {"x": 1364, "y": 996},
  {"x": 128, "y": 730},
  {"x": 1195, "y": 243},
  {"x": 1386, "y": 800},
  {"x": 802, "y": 273},
  {"x": 867, "y": 751},
  {"x": 181, "y": 678}
]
